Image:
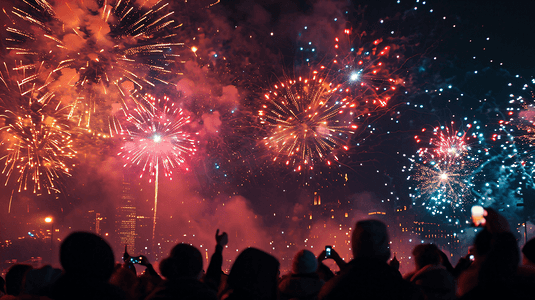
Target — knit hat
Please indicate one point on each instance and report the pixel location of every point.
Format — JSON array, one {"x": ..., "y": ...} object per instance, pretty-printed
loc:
[
  {"x": 304, "y": 262},
  {"x": 529, "y": 250}
]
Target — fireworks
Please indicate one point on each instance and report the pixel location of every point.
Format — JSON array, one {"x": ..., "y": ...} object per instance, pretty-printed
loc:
[
  {"x": 506, "y": 180},
  {"x": 524, "y": 122},
  {"x": 446, "y": 145},
  {"x": 444, "y": 184},
  {"x": 368, "y": 71},
  {"x": 35, "y": 132},
  {"x": 154, "y": 136},
  {"x": 95, "y": 45},
  {"x": 443, "y": 171},
  {"x": 308, "y": 120}
]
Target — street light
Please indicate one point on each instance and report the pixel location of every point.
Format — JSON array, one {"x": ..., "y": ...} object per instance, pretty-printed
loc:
[{"x": 50, "y": 220}]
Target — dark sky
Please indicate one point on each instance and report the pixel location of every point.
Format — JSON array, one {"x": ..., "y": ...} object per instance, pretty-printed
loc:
[
  {"x": 509, "y": 26},
  {"x": 509, "y": 23}
]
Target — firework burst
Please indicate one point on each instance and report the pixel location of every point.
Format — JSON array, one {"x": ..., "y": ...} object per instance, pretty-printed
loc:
[
  {"x": 154, "y": 137},
  {"x": 524, "y": 121},
  {"x": 35, "y": 131},
  {"x": 445, "y": 143},
  {"x": 307, "y": 120},
  {"x": 444, "y": 170},
  {"x": 94, "y": 46},
  {"x": 442, "y": 186},
  {"x": 369, "y": 72}
]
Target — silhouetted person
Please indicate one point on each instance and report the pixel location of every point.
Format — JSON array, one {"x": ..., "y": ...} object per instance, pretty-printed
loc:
[
  {"x": 394, "y": 263},
  {"x": 126, "y": 280},
  {"x": 497, "y": 276},
  {"x": 445, "y": 261},
  {"x": 88, "y": 263},
  {"x": 323, "y": 271},
  {"x": 253, "y": 276},
  {"x": 368, "y": 276},
  {"x": 527, "y": 270},
  {"x": 213, "y": 273},
  {"x": 2, "y": 286},
  {"x": 37, "y": 279},
  {"x": 430, "y": 275},
  {"x": 303, "y": 282},
  {"x": 15, "y": 280},
  {"x": 469, "y": 278},
  {"x": 466, "y": 271},
  {"x": 528, "y": 253},
  {"x": 182, "y": 271}
]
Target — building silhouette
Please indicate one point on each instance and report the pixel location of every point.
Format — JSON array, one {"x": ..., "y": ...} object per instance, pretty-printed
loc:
[{"x": 126, "y": 217}]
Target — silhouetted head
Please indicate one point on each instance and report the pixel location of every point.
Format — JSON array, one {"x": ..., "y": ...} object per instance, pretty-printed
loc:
[
  {"x": 254, "y": 275},
  {"x": 15, "y": 278},
  {"x": 482, "y": 242},
  {"x": 304, "y": 262},
  {"x": 37, "y": 279},
  {"x": 370, "y": 240},
  {"x": 125, "y": 279},
  {"x": 501, "y": 261},
  {"x": 87, "y": 255},
  {"x": 183, "y": 261},
  {"x": 529, "y": 251},
  {"x": 426, "y": 254}
]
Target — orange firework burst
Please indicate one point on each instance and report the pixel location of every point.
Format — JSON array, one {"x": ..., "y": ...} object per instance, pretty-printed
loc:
[
  {"x": 307, "y": 121},
  {"x": 35, "y": 131},
  {"x": 95, "y": 48}
]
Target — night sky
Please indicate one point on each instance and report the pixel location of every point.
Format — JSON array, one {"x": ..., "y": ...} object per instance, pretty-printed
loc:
[{"x": 458, "y": 61}]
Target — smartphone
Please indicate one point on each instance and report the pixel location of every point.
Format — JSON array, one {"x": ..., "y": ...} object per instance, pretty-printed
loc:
[
  {"x": 328, "y": 250},
  {"x": 135, "y": 260},
  {"x": 478, "y": 216}
]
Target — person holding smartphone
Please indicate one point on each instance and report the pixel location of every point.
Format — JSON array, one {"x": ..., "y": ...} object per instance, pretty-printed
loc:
[
  {"x": 493, "y": 274},
  {"x": 368, "y": 276},
  {"x": 329, "y": 253}
]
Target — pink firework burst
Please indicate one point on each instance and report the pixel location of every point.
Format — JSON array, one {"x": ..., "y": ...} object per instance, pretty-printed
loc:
[
  {"x": 445, "y": 143},
  {"x": 154, "y": 137}
]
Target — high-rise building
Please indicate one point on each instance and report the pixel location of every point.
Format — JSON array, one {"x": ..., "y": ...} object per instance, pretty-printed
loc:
[
  {"x": 94, "y": 222},
  {"x": 143, "y": 235},
  {"x": 126, "y": 217}
]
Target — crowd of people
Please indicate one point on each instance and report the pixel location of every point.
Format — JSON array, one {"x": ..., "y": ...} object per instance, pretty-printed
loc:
[{"x": 89, "y": 272}]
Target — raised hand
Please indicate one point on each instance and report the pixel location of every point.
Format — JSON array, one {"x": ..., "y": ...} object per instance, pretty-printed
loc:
[{"x": 221, "y": 239}]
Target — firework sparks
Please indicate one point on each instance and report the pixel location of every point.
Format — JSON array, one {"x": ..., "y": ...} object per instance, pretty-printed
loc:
[
  {"x": 446, "y": 144},
  {"x": 524, "y": 122},
  {"x": 307, "y": 121},
  {"x": 369, "y": 71},
  {"x": 125, "y": 46},
  {"x": 367, "y": 74},
  {"x": 443, "y": 171},
  {"x": 154, "y": 136},
  {"x": 35, "y": 132},
  {"x": 444, "y": 183}
]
